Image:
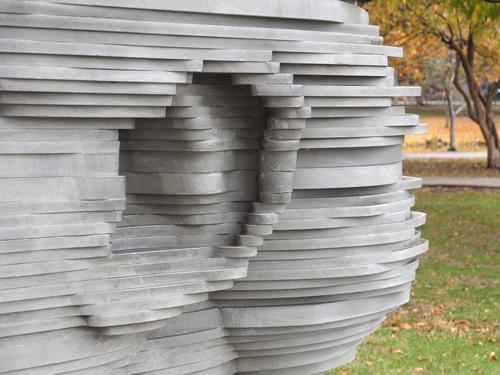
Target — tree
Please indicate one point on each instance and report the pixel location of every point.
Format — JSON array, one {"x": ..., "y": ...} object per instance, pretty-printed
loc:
[
  {"x": 469, "y": 29},
  {"x": 451, "y": 70}
]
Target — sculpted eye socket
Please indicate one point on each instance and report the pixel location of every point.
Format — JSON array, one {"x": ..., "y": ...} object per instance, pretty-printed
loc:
[{"x": 191, "y": 177}]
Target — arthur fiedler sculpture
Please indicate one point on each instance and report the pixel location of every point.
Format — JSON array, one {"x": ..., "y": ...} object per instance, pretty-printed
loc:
[{"x": 198, "y": 186}]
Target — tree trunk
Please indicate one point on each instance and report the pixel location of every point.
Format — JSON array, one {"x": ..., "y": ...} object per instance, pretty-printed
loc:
[
  {"x": 491, "y": 139},
  {"x": 479, "y": 105},
  {"x": 447, "y": 112},
  {"x": 493, "y": 152},
  {"x": 451, "y": 118}
]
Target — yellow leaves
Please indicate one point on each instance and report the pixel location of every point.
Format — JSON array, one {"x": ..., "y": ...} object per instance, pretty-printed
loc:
[
  {"x": 468, "y": 135},
  {"x": 418, "y": 28}
]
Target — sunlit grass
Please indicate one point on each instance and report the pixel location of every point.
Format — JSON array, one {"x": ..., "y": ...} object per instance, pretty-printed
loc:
[{"x": 451, "y": 325}]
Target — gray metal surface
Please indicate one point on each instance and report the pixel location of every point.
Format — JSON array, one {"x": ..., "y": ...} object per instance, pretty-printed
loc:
[{"x": 198, "y": 187}]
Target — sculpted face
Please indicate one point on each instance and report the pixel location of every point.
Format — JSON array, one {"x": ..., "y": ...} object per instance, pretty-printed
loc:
[{"x": 198, "y": 187}]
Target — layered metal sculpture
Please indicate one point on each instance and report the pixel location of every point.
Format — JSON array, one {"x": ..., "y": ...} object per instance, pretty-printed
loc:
[{"x": 198, "y": 186}]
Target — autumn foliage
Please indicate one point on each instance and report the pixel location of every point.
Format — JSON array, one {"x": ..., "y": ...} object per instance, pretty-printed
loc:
[{"x": 431, "y": 30}]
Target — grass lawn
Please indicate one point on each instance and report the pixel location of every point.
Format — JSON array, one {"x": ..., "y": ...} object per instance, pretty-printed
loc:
[
  {"x": 448, "y": 168},
  {"x": 451, "y": 325}
]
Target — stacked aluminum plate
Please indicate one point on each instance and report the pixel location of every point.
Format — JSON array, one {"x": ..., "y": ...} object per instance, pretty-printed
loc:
[{"x": 198, "y": 186}]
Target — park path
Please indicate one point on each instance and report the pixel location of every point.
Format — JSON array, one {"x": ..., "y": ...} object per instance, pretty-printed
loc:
[
  {"x": 446, "y": 155},
  {"x": 474, "y": 182}
]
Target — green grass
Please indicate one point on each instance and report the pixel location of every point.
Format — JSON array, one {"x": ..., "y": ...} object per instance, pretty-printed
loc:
[
  {"x": 451, "y": 325},
  {"x": 448, "y": 168}
]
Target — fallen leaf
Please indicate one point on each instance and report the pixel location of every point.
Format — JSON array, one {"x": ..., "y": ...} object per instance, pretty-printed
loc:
[
  {"x": 396, "y": 351},
  {"x": 406, "y": 326},
  {"x": 493, "y": 357}
]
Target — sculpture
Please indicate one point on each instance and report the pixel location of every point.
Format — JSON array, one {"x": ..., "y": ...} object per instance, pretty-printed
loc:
[{"x": 266, "y": 226}]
